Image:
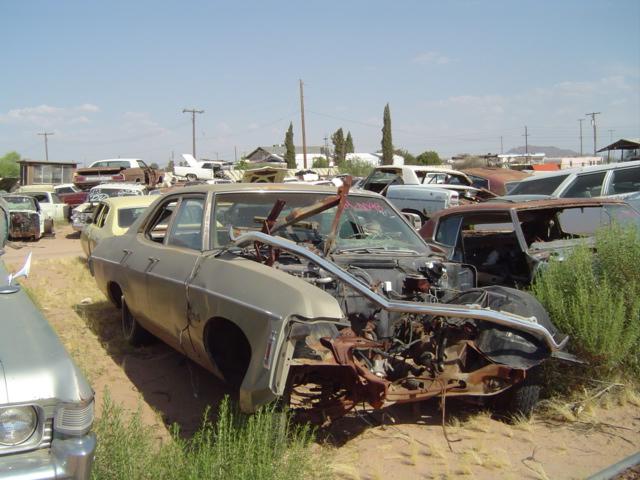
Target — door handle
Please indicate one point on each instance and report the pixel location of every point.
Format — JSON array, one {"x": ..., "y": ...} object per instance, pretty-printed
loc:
[
  {"x": 152, "y": 263},
  {"x": 126, "y": 254}
]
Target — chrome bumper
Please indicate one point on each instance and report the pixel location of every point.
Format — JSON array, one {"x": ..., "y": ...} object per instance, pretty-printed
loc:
[{"x": 66, "y": 459}]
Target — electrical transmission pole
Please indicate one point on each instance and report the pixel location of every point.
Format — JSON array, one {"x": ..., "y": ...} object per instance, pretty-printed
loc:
[
  {"x": 193, "y": 112},
  {"x": 501, "y": 149},
  {"x": 581, "y": 120},
  {"x": 304, "y": 135},
  {"x": 593, "y": 124},
  {"x": 46, "y": 146},
  {"x": 526, "y": 142},
  {"x": 611, "y": 135}
]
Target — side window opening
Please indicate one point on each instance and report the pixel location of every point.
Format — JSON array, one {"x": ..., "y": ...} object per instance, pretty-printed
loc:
[
  {"x": 186, "y": 230},
  {"x": 586, "y": 186},
  {"x": 625, "y": 180},
  {"x": 158, "y": 228},
  {"x": 102, "y": 218}
]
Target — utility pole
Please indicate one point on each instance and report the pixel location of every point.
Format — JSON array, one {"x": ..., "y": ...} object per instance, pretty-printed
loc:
[
  {"x": 235, "y": 153},
  {"x": 526, "y": 142},
  {"x": 593, "y": 124},
  {"x": 46, "y": 146},
  {"x": 611, "y": 135},
  {"x": 193, "y": 112},
  {"x": 581, "y": 120},
  {"x": 326, "y": 146},
  {"x": 501, "y": 148},
  {"x": 304, "y": 135}
]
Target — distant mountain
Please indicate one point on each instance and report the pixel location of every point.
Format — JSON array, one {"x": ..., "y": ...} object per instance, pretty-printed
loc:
[{"x": 548, "y": 151}]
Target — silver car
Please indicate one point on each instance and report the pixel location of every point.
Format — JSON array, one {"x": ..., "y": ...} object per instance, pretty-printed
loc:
[{"x": 46, "y": 404}]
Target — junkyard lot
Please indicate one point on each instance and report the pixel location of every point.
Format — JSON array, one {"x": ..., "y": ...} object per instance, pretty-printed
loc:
[{"x": 161, "y": 381}]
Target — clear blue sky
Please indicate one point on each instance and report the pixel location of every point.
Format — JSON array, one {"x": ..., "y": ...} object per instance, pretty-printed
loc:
[{"x": 111, "y": 78}]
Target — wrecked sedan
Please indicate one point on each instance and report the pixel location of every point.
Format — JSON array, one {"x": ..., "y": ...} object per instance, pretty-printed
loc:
[
  {"x": 324, "y": 299},
  {"x": 508, "y": 241}
]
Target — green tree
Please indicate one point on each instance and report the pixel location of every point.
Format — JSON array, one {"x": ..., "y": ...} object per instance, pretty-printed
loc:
[
  {"x": 9, "y": 165},
  {"x": 387, "y": 141},
  {"x": 154, "y": 165},
  {"x": 339, "y": 152},
  {"x": 409, "y": 159},
  {"x": 170, "y": 166},
  {"x": 428, "y": 158},
  {"x": 348, "y": 144},
  {"x": 290, "y": 155}
]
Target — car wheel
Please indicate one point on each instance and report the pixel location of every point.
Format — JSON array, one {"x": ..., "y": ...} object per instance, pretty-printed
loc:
[
  {"x": 520, "y": 400},
  {"x": 132, "y": 331},
  {"x": 191, "y": 177}
]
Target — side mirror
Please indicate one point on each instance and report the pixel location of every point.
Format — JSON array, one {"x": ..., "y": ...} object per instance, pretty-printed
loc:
[
  {"x": 414, "y": 219},
  {"x": 23, "y": 272}
]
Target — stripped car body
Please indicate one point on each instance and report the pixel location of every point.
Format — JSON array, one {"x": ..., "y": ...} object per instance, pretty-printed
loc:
[
  {"x": 326, "y": 299},
  {"x": 26, "y": 220},
  {"x": 508, "y": 241}
]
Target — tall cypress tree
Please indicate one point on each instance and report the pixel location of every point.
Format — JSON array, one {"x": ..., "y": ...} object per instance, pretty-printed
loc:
[
  {"x": 348, "y": 144},
  {"x": 387, "y": 142},
  {"x": 290, "y": 154},
  {"x": 339, "y": 153}
]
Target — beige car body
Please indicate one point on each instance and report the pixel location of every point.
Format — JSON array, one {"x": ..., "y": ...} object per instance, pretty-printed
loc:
[{"x": 106, "y": 219}]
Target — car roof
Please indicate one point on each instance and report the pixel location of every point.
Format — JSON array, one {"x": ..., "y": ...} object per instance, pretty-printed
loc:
[
  {"x": 539, "y": 204},
  {"x": 588, "y": 169},
  {"x": 35, "y": 188},
  {"x": 265, "y": 187},
  {"x": 130, "y": 201},
  {"x": 504, "y": 174},
  {"x": 117, "y": 160},
  {"x": 116, "y": 185}
]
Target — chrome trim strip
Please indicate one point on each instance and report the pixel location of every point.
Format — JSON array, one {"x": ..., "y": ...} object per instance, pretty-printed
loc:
[{"x": 474, "y": 312}]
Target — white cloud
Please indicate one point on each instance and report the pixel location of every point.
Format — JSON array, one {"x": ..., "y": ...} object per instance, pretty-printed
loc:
[
  {"x": 48, "y": 116},
  {"x": 430, "y": 58}
]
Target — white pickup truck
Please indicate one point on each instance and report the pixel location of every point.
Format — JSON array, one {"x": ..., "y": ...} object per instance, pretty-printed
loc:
[
  {"x": 195, "y": 170},
  {"x": 423, "y": 189}
]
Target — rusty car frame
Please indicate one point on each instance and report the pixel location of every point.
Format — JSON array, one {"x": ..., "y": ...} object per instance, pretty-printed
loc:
[
  {"x": 509, "y": 241},
  {"x": 325, "y": 299}
]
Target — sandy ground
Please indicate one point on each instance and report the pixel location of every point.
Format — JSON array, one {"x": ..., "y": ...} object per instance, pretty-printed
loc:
[{"x": 405, "y": 442}]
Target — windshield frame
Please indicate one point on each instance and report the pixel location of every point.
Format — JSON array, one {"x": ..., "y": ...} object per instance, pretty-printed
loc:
[{"x": 417, "y": 247}]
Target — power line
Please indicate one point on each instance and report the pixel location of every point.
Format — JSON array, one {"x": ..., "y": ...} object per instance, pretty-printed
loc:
[
  {"x": 46, "y": 146},
  {"x": 193, "y": 112}
]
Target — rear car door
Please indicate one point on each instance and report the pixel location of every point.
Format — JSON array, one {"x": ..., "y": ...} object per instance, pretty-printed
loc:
[{"x": 172, "y": 263}]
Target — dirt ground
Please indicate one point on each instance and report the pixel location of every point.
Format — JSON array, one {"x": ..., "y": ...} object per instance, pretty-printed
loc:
[{"x": 403, "y": 442}]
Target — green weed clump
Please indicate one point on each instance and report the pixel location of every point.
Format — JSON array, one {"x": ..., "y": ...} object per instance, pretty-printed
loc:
[
  {"x": 595, "y": 298},
  {"x": 265, "y": 445}
]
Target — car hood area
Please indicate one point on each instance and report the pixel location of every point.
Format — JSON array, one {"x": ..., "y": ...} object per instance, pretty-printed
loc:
[{"x": 33, "y": 362}]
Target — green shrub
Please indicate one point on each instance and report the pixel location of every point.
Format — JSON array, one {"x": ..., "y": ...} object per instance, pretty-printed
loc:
[
  {"x": 265, "y": 445},
  {"x": 595, "y": 298},
  {"x": 357, "y": 168}
]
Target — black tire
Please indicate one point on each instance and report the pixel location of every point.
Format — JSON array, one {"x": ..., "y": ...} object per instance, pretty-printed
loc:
[
  {"x": 521, "y": 399},
  {"x": 134, "y": 334},
  {"x": 191, "y": 177}
]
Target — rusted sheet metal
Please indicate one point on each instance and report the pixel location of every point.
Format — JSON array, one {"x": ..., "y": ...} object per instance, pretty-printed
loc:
[
  {"x": 529, "y": 205},
  {"x": 24, "y": 225}
]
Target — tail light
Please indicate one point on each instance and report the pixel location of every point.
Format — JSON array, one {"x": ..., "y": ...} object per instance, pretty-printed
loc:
[
  {"x": 79, "y": 178},
  {"x": 117, "y": 178}
]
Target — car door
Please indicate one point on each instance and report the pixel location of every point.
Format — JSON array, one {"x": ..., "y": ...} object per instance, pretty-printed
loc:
[
  {"x": 172, "y": 263},
  {"x": 138, "y": 257},
  {"x": 60, "y": 209},
  {"x": 95, "y": 229}
]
